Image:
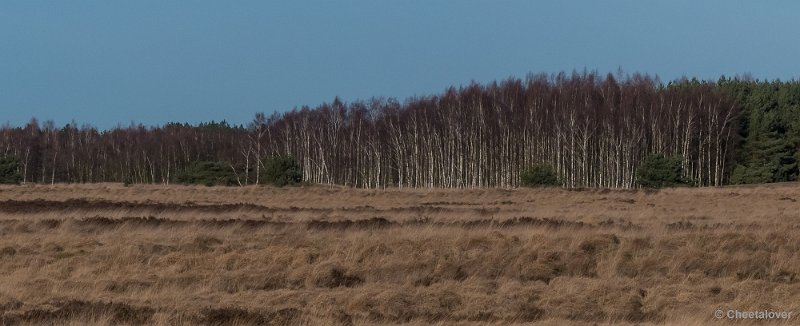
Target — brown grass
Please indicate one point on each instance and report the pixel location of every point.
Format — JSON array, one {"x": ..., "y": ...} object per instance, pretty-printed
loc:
[{"x": 108, "y": 254}]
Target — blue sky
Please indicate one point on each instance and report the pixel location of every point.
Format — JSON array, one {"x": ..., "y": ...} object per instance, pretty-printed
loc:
[{"x": 107, "y": 62}]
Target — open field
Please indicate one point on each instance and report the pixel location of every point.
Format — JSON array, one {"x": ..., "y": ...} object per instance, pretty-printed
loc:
[{"x": 108, "y": 254}]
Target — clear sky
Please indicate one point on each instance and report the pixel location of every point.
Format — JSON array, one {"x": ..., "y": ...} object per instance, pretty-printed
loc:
[{"x": 106, "y": 62}]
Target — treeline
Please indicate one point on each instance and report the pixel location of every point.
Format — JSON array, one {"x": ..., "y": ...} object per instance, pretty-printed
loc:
[
  {"x": 592, "y": 130},
  {"x": 769, "y": 131}
]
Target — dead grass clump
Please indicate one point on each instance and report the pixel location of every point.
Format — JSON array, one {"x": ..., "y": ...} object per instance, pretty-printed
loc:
[
  {"x": 125, "y": 286},
  {"x": 49, "y": 223},
  {"x": 62, "y": 311},
  {"x": 520, "y": 306},
  {"x": 528, "y": 267},
  {"x": 371, "y": 223},
  {"x": 51, "y": 247},
  {"x": 257, "y": 282},
  {"x": 595, "y": 300},
  {"x": 547, "y": 222},
  {"x": 580, "y": 263},
  {"x": 395, "y": 305},
  {"x": 9, "y": 305},
  {"x": 681, "y": 225},
  {"x": 598, "y": 243},
  {"x": 8, "y": 251},
  {"x": 206, "y": 242},
  {"x": 238, "y": 316},
  {"x": 331, "y": 277}
]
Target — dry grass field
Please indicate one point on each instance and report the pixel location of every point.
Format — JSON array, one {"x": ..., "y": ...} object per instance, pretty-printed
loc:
[{"x": 108, "y": 254}]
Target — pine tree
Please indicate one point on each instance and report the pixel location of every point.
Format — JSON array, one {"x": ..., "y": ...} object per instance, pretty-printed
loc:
[
  {"x": 9, "y": 170},
  {"x": 540, "y": 175},
  {"x": 208, "y": 173},
  {"x": 282, "y": 171},
  {"x": 658, "y": 171}
]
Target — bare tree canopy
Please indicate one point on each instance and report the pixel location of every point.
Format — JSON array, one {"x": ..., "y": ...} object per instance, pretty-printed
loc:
[{"x": 592, "y": 130}]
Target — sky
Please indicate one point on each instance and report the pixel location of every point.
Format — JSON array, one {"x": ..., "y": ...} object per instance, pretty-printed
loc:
[{"x": 109, "y": 63}]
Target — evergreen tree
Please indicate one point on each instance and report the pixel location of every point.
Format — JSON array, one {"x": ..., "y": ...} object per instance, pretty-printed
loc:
[
  {"x": 9, "y": 170},
  {"x": 540, "y": 175},
  {"x": 658, "y": 171},
  {"x": 769, "y": 130},
  {"x": 282, "y": 170},
  {"x": 209, "y": 173}
]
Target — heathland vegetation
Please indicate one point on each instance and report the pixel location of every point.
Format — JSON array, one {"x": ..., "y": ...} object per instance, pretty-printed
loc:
[
  {"x": 590, "y": 130},
  {"x": 105, "y": 254}
]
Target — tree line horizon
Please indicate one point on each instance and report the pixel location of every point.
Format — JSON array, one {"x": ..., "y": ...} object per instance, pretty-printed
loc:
[{"x": 593, "y": 131}]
